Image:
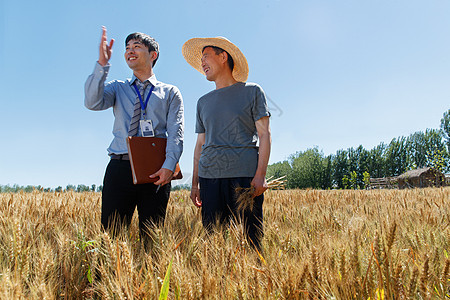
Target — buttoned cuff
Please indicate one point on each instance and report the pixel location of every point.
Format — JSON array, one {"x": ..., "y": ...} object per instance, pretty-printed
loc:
[
  {"x": 100, "y": 70},
  {"x": 170, "y": 164}
]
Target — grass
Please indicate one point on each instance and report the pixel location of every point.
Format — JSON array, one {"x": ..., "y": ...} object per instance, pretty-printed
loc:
[{"x": 377, "y": 244}]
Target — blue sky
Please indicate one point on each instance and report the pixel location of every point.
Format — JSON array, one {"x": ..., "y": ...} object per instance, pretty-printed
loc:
[{"x": 339, "y": 74}]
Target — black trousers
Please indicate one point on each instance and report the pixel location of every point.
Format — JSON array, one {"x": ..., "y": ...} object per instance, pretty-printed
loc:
[
  {"x": 120, "y": 198},
  {"x": 219, "y": 197}
]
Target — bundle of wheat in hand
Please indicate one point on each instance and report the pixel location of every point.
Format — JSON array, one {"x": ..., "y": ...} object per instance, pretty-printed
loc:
[{"x": 245, "y": 199}]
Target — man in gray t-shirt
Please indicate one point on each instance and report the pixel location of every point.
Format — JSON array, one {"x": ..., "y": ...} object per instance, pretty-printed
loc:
[{"x": 230, "y": 120}]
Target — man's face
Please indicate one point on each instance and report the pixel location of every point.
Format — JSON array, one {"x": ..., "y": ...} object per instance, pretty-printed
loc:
[
  {"x": 137, "y": 55},
  {"x": 211, "y": 63}
]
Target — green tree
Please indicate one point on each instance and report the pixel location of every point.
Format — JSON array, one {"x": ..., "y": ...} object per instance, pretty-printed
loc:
[
  {"x": 308, "y": 169},
  {"x": 28, "y": 188},
  {"x": 376, "y": 161},
  {"x": 352, "y": 159},
  {"x": 436, "y": 150},
  {"x": 416, "y": 147},
  {"x": 438, "y": 161},
  {"x": 366, "y": 180},
  {"x": 340, "y": 167},
  {"x": 354, "y": 180},
  {"x": 345, "y": 182},
  {"x": 326, "y": 180},
  {"x": 82, "y": 188},
  {"x": 445, "y": 128},
  {"x": 363, "y": 164},
  {"x": 396, "y": 161},
  {"x": 179, "y": 187},
  {"x": 278, "y": 170}
]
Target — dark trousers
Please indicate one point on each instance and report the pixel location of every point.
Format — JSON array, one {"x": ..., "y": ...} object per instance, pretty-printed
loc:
[
  {"x": 219, "y": 197},
  {"x": 120, "y": 198}
]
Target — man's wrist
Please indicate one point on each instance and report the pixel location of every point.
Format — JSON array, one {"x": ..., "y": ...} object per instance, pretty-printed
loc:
[
  {"x": 102, "y": 62},
  {"x": 168, "y": 169},
  {"x": 257, "y": 174}
]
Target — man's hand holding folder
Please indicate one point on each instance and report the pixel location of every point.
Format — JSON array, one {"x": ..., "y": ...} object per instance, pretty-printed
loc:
[{"x": 165, "y": 176}]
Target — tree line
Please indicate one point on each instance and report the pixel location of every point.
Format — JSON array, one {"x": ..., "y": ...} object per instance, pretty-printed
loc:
[
  {"x": 70, "y": 187},
  {"x": 353, "y": 167},
  {"x": 15, "y": 188}
]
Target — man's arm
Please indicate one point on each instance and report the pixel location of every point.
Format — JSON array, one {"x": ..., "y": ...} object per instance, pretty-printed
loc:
[
  {"x": 259, "y": 181},
  {"x": 175, "y": 131},
  {"x": 96, "y": 97},
  {"x": 195, "y": 190}
]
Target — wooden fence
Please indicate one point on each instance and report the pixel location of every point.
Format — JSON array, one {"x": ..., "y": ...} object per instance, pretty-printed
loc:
[{"x": 383, "y": 183}]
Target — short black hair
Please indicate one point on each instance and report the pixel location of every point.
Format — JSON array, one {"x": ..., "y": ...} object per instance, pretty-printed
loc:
[
  {"x": 218, "y": 50},
  {"x": 148, "y": 41}
]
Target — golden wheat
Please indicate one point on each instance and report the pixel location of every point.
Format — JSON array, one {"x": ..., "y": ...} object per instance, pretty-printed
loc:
[{"x": 317, "y": 245}]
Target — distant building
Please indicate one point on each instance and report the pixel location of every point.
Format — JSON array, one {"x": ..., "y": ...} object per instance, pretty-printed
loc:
[
  {"x": 383, "y": 183},
  {"x": 423, "y": 177}
]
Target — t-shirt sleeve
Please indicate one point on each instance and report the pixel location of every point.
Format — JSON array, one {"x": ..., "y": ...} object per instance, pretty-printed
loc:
[
  {"x": 260, "y": 108},
  {"x": 199, "y": 127}
]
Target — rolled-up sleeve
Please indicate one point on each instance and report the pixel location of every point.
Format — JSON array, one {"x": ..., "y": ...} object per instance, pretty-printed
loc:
[
  {"x": 97, "y": 95},
  {"x": 175, "y": 129},
  {"x": 259, "y": 107}
]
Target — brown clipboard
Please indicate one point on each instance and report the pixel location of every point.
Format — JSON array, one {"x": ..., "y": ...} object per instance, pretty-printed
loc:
[{"x": 147, "y": 155}]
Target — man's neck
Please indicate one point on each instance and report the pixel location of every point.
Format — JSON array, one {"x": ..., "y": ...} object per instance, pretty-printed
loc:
[
  {"x": 224, "y": 81},
  {"x": 143, "y": 75}
]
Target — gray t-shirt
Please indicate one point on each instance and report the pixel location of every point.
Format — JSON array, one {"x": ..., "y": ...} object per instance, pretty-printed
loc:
[{"x": 227, "y": 116}]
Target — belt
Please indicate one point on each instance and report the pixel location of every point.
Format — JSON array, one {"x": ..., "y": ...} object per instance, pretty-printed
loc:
[{"x": 120, "y": 156}]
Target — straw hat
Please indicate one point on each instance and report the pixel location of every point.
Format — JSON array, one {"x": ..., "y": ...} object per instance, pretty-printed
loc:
[{"x": 192, "y": 52}]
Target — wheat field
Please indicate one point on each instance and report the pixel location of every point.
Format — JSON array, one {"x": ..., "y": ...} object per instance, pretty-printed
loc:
[{"x": 362, "y": 244}]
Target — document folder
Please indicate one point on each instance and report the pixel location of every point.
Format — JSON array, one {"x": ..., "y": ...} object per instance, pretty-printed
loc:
[{"x": 147, "y": 155}]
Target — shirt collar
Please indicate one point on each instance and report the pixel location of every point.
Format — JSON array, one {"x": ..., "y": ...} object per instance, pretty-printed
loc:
[{"x": 152, "y": 80}]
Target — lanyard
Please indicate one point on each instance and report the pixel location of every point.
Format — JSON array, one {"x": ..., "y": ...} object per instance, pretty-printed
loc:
[{"x": 143, "y": 105}]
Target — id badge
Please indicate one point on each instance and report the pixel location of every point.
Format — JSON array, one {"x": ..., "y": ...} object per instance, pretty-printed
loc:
[{"x": 147, "y": 128}]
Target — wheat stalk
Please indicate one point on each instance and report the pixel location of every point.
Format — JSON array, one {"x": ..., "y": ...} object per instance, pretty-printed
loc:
[{"x": 245, "y": 200}]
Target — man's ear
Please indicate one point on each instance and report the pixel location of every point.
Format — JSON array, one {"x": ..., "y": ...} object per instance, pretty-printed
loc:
[
  {"x": 154, "y": 55},
  {"x": 223, "y": 56}
]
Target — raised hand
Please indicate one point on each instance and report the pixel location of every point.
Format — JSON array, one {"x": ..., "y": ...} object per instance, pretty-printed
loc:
[{"x": 105, "y": 49}]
